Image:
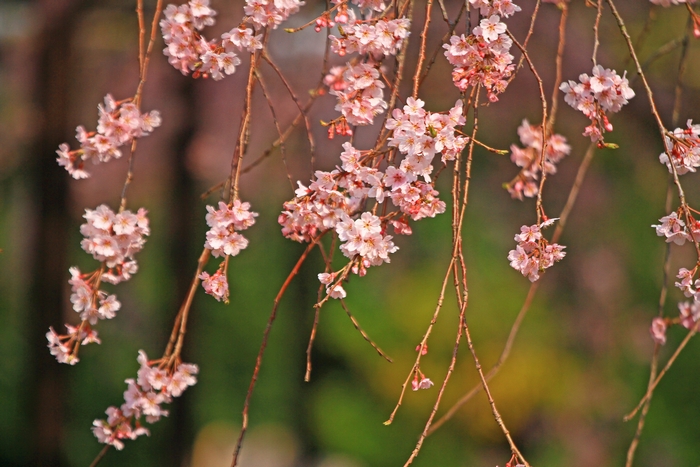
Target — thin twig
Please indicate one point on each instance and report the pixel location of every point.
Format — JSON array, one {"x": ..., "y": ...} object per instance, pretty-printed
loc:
[
  {"x": 558, "y": 66},
  {"x": 263, "y": 346},
  {"x": 101, "y": 455},
  {"x": 670, "y": 362},
  {"x": 258, "y": 76},
  {"x": 240, "y": 149},
  {"x": 144, "y": 58},
  {"x": 423, "y": 42},
  {"x": 596, "y": 38},
  {"x": 312, "y": 338},
  {"x": 439, "y": 48},
  {"x": 505, "y": 353},
  {"x": 363, "y": 333},
  {"x": 494, "y": 409},
  {"x": 185, "y": 309},
  {"x": 543, "y": 99},
  {"x": 309, "y": 135},
  {"x": 667, "y": 261}
]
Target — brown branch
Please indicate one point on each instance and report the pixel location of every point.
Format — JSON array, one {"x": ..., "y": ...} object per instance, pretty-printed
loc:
[
  {"x": 363, "y": 333},
  {"x": 100, "y": 456},
  {"x": 527, "y": 39},
  {"x": 505, "y": 353},
  {"x": 185, "y": 310},
  {"x": 543, "y": 99},
  {"x": 312, "y": 338},
  {"x": 596, "y": 38},
  {"x": 558, "y": 65},
  {"x": 667, "y": 262},
  {"x": 439, "y": 48},
  {"x": 663, "y": 372},
  {"x": 492, "y": 403},
  {"x": 421, "y": 54},
  {"x": 263, "y": 346},
  {"x": 438, "y": 307},
  {"x": 144, "y": 58},
  {"x": 239, "y": 151},
  {"x": 450, "y": 370},
  {"x": 283, "y": 153},
  {"x": 309, "y": 135}
]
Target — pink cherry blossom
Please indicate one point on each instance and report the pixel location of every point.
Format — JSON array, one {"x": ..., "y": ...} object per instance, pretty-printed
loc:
[
  {"x": 143, "y": 399},
  {"x": 603, "y": 92},
  {"x": 658, "y": 330},
  {"x": 118, "y": 124},
  {"x": 534, "y": 253}
]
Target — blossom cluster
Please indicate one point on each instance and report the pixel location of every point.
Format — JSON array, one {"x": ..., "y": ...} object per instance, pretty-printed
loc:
[
  {"x": 488, "y": 8},
  {"x": 187, "y": 50},
  {"x": 688, "y": 317},
  {"x": 675, "y": 230},
  {"x": 358, "y": 87},
  {"x": 63, "y": 347},
  {"x": 360, "y": 97},
  {"x": 417, "y": 134},
  {"x": 534, "y": 253},
  {"x": 420, "y": 135},
  {"x": 113, "y": 239},
  {"x": 530, "y": 159},
  {"x": 385, "y": 37},
  {"x": 685, "y": 149},
  {"x": 482, "y": 58},
  {"x": 270, "y": 13},
  {"x": 336, "y": 200},
  {"x": 155, "y": 385},
  {"x": 223, "y": 239},
  {"x": 118, "y": 124},
  {"x": 605, "y": 91}
]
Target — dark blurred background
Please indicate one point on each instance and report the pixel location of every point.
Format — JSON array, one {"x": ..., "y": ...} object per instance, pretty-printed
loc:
[{"x": 579, "y": 363}]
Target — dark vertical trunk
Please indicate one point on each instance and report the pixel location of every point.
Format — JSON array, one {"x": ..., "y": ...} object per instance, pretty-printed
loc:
[
  {"x": 46, "y": 389},
  {"x": 183, "y": 207}
]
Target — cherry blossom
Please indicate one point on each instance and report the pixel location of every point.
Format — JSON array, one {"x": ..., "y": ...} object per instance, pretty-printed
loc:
[
  {"x": 333, "y": 199},
  {"x": 534, "y": 253},
  {"x": 488, "y": 8},
  {"x": 482, "y": 58},
  {"x": 156, "y": 384},
  {"x": 361, "y": 97},
  {"x": 224, "y": 240},
  {"x": 675, "y": 230},
  {"x": 420, "y": 381},
  {"x": 384, "y": 37},
  {"x": 216, "y": 285},
  {"x": 685, "y": 149},
  {"x": 530, "y": 159},
  {"x": 113, "y": 239},
  {"x": 595, "y": 95},
  {"x": 118, "y": 124},
  {"x": 658, "y": 330},
  {"x": 689, "y": 313}
]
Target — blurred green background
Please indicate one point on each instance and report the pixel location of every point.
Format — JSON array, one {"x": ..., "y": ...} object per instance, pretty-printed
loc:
[{"x": 578, "y": 365}]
